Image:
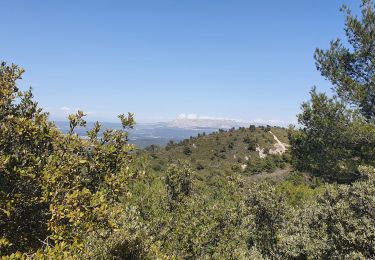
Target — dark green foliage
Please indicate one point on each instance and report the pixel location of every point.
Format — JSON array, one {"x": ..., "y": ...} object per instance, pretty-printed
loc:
[
  {"x": 178, "y": 181},
  {"x": 334, "y": 139},
  {"x": 268, "y": 212},
  {"x": 55, "y": 189},
  {"x": 187, "y": 150},
  {"x": 342, "y": 220},
  {"x": 351, "y": 70},
  {"x": 251, "y": 147},
  {"x": 251, "y": 144},
  {"x": 26, "y": 140},
  {"x": 268, "y": 164},
  {"x": 200, "y": 166}
]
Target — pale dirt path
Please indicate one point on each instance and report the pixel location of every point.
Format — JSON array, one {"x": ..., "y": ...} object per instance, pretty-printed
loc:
[
  {"x": 262, "y": 155},
  {"x": 280, "y": 147}
]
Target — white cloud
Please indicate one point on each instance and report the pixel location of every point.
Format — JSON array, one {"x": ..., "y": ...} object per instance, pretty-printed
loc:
[
  {"x": 65, "y": 110},
  {"x": 193, "y": 116},
  {"x": 188, "y": 116},
  {"x": 269, "y": 122},
  {"x": 181, "y": 116}
]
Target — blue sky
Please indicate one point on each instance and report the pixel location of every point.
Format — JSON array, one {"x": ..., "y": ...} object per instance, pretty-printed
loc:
[{"x": 230, "y": 59}]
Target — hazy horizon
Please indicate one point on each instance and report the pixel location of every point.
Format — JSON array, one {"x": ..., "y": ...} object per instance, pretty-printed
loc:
[{"x": 256, "y": 121}]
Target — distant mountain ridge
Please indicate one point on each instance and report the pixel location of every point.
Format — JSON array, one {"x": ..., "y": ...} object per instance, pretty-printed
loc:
[
  {"x": 202, "y": 123},
  {"x": 160, "y": 133},
  {"x": 144, "y": 135}
]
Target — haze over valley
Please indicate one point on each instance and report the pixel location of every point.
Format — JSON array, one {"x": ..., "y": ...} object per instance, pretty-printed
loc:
[{"x": 160, "y": 133}]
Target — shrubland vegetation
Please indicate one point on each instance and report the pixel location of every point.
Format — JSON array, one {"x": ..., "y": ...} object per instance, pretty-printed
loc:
[
  {"x": 65, "y": 197},
  {"x": 224, "y": 152}
]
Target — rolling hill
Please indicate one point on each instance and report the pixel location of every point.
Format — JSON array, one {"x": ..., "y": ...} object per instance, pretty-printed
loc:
[{"x": 248, "y": 151}]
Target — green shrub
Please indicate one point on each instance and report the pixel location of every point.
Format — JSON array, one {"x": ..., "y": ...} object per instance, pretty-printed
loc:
[
  {"x": 54, "y": 187},
  {"x": 187, "y": 150}
]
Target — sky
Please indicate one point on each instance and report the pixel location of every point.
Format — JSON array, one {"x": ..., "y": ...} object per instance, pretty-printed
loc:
[{"x": 244, "y": 60}]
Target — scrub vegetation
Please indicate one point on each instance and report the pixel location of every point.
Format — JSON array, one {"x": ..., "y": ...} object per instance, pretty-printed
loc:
[{"x": 208, "y": 197}]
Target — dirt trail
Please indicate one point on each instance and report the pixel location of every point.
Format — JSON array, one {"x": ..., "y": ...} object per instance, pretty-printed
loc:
[{"x": 280, "y": 147}]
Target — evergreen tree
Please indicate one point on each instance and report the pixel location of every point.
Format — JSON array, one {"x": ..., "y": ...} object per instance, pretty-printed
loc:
[
  {"x": 351, "y": 70},
  {"x": 338, "y": 133}
]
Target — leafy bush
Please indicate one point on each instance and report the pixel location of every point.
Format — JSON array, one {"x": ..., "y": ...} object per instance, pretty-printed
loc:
[
  {"x": 56, "y": 188},
  {"x": 187, "y": 150}
]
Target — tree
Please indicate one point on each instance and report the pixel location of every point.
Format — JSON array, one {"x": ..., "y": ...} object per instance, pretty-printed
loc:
[
  {"x": 26, "y": 140},
  {"x": 268, "y": 212},
  {"x": 252, "y": 147},
  {"x": 55, "y": 188},
  {"x": 338, "y": 133},
  {"x": 250, "y": 142},
  {"x": 187, "y": 150},
  {"x": 352, "y": 70},
  {"x": 342, "y": 219},
  {"x": 178, "y": 182}
]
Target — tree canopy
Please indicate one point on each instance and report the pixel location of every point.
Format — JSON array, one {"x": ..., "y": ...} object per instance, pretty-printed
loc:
[{"x": 338, "y": 133}]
